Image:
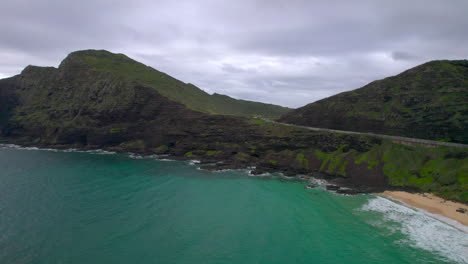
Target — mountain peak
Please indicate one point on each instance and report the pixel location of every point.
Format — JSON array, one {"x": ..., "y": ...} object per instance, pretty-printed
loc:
[
  {"x": 172, "y": 88},
  {"x": 97, "y": 54},
  {"x": 96, "y": 59}
]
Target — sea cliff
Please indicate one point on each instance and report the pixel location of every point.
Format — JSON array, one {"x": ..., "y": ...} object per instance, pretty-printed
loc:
[{"x": 82, "y": 106}]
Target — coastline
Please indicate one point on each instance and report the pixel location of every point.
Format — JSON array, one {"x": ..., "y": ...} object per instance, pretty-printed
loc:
[{"x": 432, "y": 204}]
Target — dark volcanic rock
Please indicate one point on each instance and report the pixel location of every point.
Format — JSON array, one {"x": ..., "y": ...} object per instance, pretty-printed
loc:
[
  {"x": 332, "y": 187},
  {"x": 81, "y": 107},
  {"x": 311, "y": 186},
  {"x": 348, "y": 191}
]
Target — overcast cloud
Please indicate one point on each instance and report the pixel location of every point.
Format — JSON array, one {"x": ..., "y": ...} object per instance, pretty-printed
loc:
[{"x": 286, "y": 52}]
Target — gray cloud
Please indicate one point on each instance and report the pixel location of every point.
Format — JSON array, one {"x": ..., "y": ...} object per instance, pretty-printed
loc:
[
  {"x": 402, "y": 55},
  {"x": 285, "y": 52}
]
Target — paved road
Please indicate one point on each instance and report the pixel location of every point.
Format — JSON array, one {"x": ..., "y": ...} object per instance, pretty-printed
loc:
[{"x": 396, "y": 139}]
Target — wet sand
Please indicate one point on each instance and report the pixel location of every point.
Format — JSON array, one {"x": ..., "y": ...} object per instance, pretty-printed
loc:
[{"x": 432, "y": 204}]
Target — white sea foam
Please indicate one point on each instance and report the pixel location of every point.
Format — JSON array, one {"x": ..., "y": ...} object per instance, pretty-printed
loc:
[
  {"x": 194, "y": 162},
  {"x": 101, "y": 152},
  {"x": 71, "y": 150},
  {"x": 135, "y": 156},
  {"x": 422, "y": 230},
  {"x": 94, "y": 151},
  {"x": 26, "y": 148},
  {"x": 19, "y": 147},
  {"x": 266, "y": 174},
  {"x": 247, "y": 170},
  {"x": 8, "y": 146},
  {"x": 138, "y": 156},
  {"x": 225, "y": 170},
  {"x": 320, "y": 182}
]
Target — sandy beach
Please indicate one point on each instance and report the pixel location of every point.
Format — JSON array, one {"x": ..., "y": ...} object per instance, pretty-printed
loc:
[{"x": 432, "y": 204}]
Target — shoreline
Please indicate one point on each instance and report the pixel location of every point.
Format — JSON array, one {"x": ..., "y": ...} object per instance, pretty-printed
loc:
[
  {"x": 432, "y": 205},
  {"x": 437, "y": 207}
]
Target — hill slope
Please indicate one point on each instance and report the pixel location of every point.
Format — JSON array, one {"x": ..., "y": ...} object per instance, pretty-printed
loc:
[
  {"x": 76, "y": 106},
  {"x": 178, "y": 91},
  {"x": 429, "y": 101}
]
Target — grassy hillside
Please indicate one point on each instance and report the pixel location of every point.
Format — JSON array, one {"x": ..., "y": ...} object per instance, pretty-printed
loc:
[
  {"x": 185, "y": 93},
  {"x": 76, "y": 106},
  {"x": 354, "y": 159},
  {"x": 429, "y": 101}
]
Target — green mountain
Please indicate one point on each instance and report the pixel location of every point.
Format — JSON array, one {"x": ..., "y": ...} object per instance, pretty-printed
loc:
[
  {"x": 79, "y": 106},
  {"x": 429, "y": 101},
  {"x": 178, "y": 91}
]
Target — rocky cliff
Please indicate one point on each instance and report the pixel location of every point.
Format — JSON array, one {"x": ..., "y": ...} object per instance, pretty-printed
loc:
[
  {"x": 77, "y": 105},
  {"x": 429, "y": 101},
  {"x": 185, "y": 93}
]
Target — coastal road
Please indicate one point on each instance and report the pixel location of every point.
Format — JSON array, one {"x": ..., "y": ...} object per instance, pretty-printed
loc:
[{"x": 396, "y": 139}]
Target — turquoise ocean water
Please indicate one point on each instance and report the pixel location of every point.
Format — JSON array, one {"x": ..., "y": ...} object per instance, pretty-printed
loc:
[{"x": 75, "y": 207}]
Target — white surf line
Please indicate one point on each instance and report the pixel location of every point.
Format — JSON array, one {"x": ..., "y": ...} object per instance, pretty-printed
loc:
[
  {"x": 422, "y": 229},
  {"x": 449, "y": 221}
]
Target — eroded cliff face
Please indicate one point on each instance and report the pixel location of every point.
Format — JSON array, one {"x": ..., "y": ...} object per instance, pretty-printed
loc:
[
  {"x": 77, "y": 106},
  {"x": 428, "y": 101}
]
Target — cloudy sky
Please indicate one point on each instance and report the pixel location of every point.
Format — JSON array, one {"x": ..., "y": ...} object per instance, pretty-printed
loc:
[{"x": 287, "y": 52}]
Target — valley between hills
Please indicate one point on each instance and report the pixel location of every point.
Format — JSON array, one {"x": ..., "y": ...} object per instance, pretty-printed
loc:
[{"x": 98, "y": 99}]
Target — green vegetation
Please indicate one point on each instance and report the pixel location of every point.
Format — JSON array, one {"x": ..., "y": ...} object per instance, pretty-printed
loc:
[
  {"x": 134, "y": 144},
  {"x": 275, "y": 129},
  {"x": 242, "y": 157},
  {"x": 91, "y": 100},
  {"x": 162, "y": 148},
  {"x": 429, "y": 101},
  {"x": 212, "y": 152},
  {"x": 117, "y": 129},
  {"x": 185, "y": 93},
  {"x": 302, "y": 160},
  {"x": 443, "y": 171},
  {"x": 333, "y": 163}
]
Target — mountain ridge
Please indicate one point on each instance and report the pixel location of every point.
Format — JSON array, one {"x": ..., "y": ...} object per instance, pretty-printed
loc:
[
  {"x": 186, "y": 93},
  {"x": 429, "y": 101},
  {"x": 76, "y": 106}
]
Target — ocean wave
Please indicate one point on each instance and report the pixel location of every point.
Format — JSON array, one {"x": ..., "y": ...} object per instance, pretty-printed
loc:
[
  {"x": 71, "y": 150},
  {"x": 26, "y": 148},
  {"x": 422, "y": 230},
  {"x": 9, "y": 146},
  {"x": 100, "y": 152},
  {"x": 194, "y": 162},
  {"x": 94, "y": 151},
  {"x": 247, "y": 170},
  {"x": 226, "y": 170},
  {"x": 266, "y": 174},
  {"x": 320, "y": 182},
  {"x": 166, "y": 160},
  {"x": 138, "y": 156}
]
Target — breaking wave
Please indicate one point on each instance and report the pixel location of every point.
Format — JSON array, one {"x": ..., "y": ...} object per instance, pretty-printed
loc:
[{"x": 422, "y": 230}]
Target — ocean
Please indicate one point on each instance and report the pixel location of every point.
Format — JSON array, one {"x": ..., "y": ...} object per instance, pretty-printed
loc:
[{"x": 100, "y": 207}]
